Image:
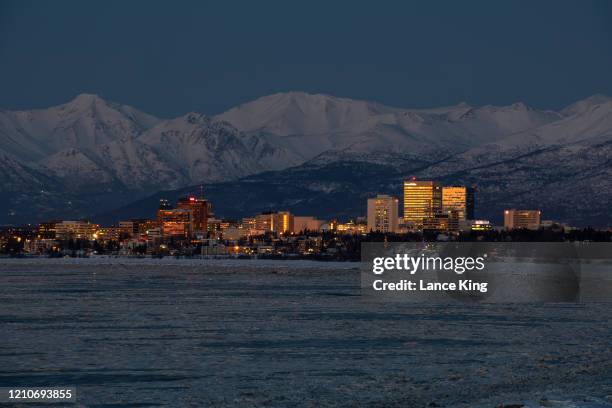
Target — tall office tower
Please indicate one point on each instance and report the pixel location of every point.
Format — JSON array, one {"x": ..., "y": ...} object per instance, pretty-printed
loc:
[
  {"x": 529, "y": 219},
  {"x": 200, "y": 209},
  {"x": 460, "y": 199},
  {"x": 383, "y": 214},
  {"x": 422, "y": 199}
]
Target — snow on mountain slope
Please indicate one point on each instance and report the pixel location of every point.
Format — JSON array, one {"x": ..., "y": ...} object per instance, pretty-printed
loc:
[
  {"x": 586, "y": 104},
  {"x": 588, "y": 127},
  {"x": 202, "y": 149},
  {"x": 309, "y": 125},
  {"x": 91, "y": 141},
  {"x": 90, "y": 145},
  {"x": 17, "y": 177},
  {"x": 138, "y": 166},
  {"x": 82, "y": 123},
  {"x": 125, "y": 164},
  {"x": 16, "y": 141},
  {"x": 178, "y": 152},
  {"x": 299, "y": 113},
  {"x": 76, "y": 169}
]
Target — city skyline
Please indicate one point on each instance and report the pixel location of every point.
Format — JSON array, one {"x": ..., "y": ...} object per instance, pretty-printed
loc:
[
  {"x": 304, "y": 204},
  {"x": 190, "y": 229},
  {"x": 427, "y": 205}
]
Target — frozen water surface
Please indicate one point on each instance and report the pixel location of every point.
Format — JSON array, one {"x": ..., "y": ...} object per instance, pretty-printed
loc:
[{"x": 285, "y": 334}]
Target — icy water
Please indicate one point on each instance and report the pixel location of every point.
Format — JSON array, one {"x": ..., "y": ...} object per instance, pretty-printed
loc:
[{"x": 285, "y": 334}]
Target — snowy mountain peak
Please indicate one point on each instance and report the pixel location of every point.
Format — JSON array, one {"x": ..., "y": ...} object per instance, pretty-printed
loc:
[
  {"x": 520, "y": 106},
  {"x": 196, "y": 118},
  {"x": 93, "y": 145},
  {"x": 85, "y": 99},
  {"x": 299, "y": 113},
  {"x": 586, "y": 104}
]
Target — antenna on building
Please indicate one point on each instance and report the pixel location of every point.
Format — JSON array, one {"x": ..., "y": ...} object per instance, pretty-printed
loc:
[{"x": 202, "y": 191}]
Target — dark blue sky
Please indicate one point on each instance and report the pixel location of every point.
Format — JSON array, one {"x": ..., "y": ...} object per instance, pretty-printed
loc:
[{"x": 171, "y": 57}]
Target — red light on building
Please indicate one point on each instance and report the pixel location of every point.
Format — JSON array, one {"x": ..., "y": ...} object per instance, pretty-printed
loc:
[
  {"x": 413, "y": 178},
  {"x": 192, "y": 199}
]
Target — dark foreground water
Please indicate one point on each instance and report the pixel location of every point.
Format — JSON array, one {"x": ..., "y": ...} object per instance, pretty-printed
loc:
[{"x": 181, "y": 333}]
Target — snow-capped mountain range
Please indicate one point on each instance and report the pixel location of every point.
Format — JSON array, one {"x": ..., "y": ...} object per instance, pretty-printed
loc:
[{"x": 91, "y": 155}]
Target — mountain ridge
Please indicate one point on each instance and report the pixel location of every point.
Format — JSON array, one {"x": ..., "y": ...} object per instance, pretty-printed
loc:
[{"x": 91, "y": 147}]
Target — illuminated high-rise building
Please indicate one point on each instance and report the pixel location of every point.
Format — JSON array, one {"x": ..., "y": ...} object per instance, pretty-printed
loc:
[
  {"x": 459, "y": 199},
  {"x": 422, "y": 199},
  {"x": 201, "y": 211},
  {"x": 529, "y": 219},
  {"x": 383, "y": 214}
]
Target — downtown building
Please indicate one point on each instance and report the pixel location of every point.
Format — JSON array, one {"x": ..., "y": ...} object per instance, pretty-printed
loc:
[
  {"x": 190, "y": 217},
  {"x": 383, "y": 214},
  {"x": 459, "y": 199},
  {"x": 457, "y": 206},
  {"x": 279, "y": 222},
  {"x": 75, "y": 230},
  {"x": 174, "y": 222},
  {"x": 422, "y": 202},
  {"x": 201, "y": 212},
  {"x": 527, "y": 219}
]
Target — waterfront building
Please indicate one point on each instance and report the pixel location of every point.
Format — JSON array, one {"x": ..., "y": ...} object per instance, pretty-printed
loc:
[
  {"x": 422, "y": 199},
  {"x": 383, "y": 214},
  {"x": 40, "y": 245},
  {"x": 528, "y": 219}
]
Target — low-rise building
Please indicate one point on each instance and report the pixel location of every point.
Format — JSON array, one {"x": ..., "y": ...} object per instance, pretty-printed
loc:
[
  {"x": 75, "y": 230},
  {"x": 528, "y": 219}
]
